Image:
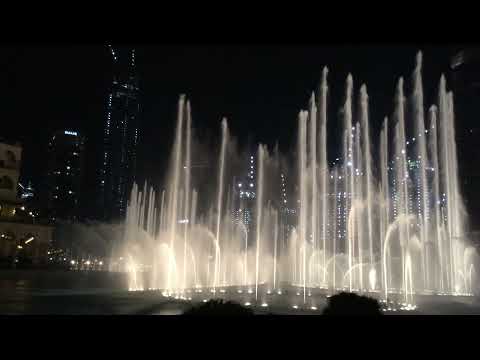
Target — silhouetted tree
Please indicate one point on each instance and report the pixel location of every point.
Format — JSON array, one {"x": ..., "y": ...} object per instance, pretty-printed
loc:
[
  {"x": 219, "y": 307},
  {"x": 352, "y": 304}
]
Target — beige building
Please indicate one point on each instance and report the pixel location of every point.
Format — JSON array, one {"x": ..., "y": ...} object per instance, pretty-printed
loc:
[{"x": 21, "y": 234}]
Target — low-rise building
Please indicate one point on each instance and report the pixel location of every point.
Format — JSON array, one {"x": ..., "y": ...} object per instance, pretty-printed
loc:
[{"x": 24, "y": 239}]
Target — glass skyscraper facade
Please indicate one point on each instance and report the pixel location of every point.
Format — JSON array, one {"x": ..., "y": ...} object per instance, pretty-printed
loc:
[
  {"x": 65, "y": 175},
  {"x": 120, "y": 136}
]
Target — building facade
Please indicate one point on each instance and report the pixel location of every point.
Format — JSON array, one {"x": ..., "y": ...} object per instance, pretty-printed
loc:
[
  {"x": 22, "y": 238},
  {"x": 10, "y": 156},
  {"x": 66, "y": 169},
  {"x": 120, "y": 136}
]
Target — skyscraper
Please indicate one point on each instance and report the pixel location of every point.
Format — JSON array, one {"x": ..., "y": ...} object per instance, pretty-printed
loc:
[
  {"x": 120, "y": 135},
  {"x": 65, "y": 174}
]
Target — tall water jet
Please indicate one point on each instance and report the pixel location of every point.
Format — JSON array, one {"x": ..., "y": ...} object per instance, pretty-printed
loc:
[
  {"x": 261, "y": 156},
  {"x": 173, "y": 207},
  {"x": 358, "y": 205},
  {"x": 348, "y": 166},
  {"x": 402, "y": 179},
  {"x": 367, "y": 159},
  {"x": 457, "y": 205},
  {"x": 384, "y": 198},
  {"x": 302, "y": 143},
  {"x": 313, "y": 173},
  {"x": 220, "y": 199},
  {"x": 433, "y": 143},
  {"x": 187, "y": 208},
  {"x": 323, "y": 167},
  {"x": 334, "y": 231},
  {"x": 422, "y": 160},
  {"x": 275, "y": 239},
  {"x": 446, "y": 172}
]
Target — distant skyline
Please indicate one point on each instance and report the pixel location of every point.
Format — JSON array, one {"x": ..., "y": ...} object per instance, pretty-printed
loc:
[{"x": 260, "y": 89}]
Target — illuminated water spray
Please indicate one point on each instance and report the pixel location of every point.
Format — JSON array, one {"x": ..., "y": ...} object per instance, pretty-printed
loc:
[{"x": 387, "y": 219}]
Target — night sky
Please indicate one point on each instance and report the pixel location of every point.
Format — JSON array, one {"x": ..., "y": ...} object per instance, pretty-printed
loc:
[{"x": 260, "y": 89}]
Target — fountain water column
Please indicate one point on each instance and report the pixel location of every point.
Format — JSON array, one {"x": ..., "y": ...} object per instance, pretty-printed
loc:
[
  {"x": 181, "y": 203},
  {"x": 259, "y": 213},
  {"x": 446, "y": 174},
  {"x": 275, "y": 239},
  {"x": 303, "y": 192},
  {"x": 323, "y": 168},
  {"x": 347, "y": 173},
  {"x": 421, "y": 153},
  {"x": 245, "y": 261},
  {"x": 142, "y": 208},
  {"x": 162, "y": 212},
  {"x": 313, "y": 169},
  {"x": 385, "y": 197},
  {"x": 458, "y": 231},
  {"x": 188, "y": 168},
  {"x": 359, "y": 201},
  {"x": 436, "y": 196},
  {"x": 219, "y": 200},
  {"x": 156, "y": 217},
  {"x": 402, "y": 181},
  {"x": 193, "y": 211},
  {"x": 229, "y": 235},
  {"x": 334, "y": 247},
  {"x": 149, "y": 211},
  {"x": 172, "y": 206},
  {"x": 367, "y": 160}
]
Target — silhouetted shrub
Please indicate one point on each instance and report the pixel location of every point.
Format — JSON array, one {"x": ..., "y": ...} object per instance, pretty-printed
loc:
[
  {"x": 219, "y": 307},
  {"x": 352, "y": 304}
]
